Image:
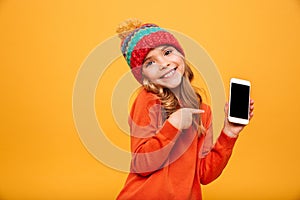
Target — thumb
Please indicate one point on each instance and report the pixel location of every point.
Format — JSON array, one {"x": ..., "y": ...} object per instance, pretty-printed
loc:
[{"x": 226, "y": 108}]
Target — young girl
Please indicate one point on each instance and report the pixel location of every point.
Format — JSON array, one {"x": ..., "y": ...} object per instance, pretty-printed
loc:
[{"x": 171, "y": 128}]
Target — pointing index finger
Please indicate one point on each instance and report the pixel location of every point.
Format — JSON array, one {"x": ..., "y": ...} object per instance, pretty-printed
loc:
[{"x": 196, "y": 111}]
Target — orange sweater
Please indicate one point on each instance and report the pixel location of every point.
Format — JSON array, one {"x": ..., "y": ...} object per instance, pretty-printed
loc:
[{"x": 166, "y": 163}]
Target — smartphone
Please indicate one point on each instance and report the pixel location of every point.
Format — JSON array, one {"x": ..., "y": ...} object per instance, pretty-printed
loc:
[{"x": 239, "y": 101}]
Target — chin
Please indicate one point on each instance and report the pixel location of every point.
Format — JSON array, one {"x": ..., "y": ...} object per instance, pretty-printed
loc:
[{"x": 173, "y": 84}]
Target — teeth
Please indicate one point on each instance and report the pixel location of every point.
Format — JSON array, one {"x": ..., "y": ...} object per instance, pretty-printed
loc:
[{"x": 169, "y": 74}]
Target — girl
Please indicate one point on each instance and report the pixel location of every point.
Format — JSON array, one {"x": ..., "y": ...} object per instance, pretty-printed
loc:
[{"x": 171, "y": 128}]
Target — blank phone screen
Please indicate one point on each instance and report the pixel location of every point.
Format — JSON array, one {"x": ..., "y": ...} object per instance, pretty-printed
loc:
[{"x": 239, "y": 102}]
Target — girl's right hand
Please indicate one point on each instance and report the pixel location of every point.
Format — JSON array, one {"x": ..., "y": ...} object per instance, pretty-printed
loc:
[{"x": 183, "y": 118}]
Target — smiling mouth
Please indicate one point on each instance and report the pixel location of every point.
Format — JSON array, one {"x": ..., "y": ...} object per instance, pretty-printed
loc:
[{"x": 169, "y": 73}]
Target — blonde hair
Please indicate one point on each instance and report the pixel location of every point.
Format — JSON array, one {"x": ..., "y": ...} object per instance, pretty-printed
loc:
[{"x": 189, "y": 97}]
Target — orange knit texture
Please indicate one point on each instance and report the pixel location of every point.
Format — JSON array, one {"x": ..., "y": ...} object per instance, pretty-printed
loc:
[{"x": 167, "y": 163}]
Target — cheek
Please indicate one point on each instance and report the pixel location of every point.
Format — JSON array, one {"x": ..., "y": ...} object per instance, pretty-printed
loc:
[
  {"x": 181, "y": 69},
  {"x": 181, "y": 64},
  {"x": 149, "y": 73}
]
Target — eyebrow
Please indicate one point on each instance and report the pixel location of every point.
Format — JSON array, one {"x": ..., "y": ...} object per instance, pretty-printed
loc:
[
  {"x": 165, "y": 47},
  {"x": 147, "y": 59},
  {"x": 162, "y": 49}
]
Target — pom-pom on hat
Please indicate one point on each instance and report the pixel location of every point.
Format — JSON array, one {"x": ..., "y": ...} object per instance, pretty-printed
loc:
[{"x": 139, "y": 39}]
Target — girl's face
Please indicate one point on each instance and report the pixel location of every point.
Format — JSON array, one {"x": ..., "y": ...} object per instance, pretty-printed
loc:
[{"x": 164, "y": 66}]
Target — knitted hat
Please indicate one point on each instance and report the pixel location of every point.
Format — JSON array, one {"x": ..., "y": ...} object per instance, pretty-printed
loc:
[{"x": 139, "y": 39}]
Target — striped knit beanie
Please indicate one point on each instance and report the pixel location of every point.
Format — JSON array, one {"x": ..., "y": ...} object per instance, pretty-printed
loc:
[{"x": 139, "y": 39}]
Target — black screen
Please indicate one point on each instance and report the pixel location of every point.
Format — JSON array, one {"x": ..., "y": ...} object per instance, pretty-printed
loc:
[{"x": 239, "y": 102}]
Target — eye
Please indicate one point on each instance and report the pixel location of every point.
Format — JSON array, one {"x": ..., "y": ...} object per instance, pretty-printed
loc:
[
  {"x": 167, "y": 52},
  {"x": 147, "y": 64}
]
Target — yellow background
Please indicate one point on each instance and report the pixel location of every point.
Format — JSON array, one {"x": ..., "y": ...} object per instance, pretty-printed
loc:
[{"x": 43, "y": 44}]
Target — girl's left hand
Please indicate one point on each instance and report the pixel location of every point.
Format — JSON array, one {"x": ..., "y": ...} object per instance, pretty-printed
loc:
[{"x": 232, "y": 129}]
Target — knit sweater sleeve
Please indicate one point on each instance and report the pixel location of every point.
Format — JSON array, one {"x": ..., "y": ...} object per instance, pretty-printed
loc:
[
  {"x": 214, "y": 161},
  {"x": 151, "y": 141}
]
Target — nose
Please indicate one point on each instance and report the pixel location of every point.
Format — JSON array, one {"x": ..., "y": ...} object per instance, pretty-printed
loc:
[{"x": 164, "y": 65}]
